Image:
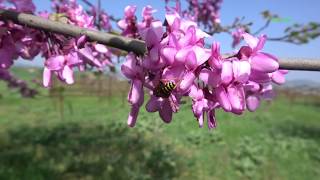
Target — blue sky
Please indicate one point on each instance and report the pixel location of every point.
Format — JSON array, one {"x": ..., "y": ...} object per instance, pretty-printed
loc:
[{"x": 295, "y": 11}]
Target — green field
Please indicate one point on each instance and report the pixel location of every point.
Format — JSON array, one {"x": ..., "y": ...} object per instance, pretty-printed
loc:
[{"x": 91, "y": 141}]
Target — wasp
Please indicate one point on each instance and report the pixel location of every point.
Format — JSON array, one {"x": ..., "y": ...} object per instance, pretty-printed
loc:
[{"x": 164, "y": 89}]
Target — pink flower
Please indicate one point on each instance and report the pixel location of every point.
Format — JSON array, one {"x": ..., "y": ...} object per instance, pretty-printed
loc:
[
  {"x": 57, "y": 64},
  {"x": 162, "y": 105},
  {"x": 7, "y": 55},
  {"x": 205, "y": 12},
  {"x": 237, "y": 36},
  {"x": 87, "y": 55},
  {"x": 133, "y": 71},
  {"x": 260, "y": 61},
  {"x": 199, "y": 104},
  {"x": 236, "y": 97},
  {"x": 147, "y": 15},
  {"x": 23, "y": 5},
  {"x": 253, "y": 102},
  {"x": 215, "y": 60},
  {"x": 278, "y": 76},
  {"x": 105, "y": 21},
  {"x": 128, "y": 24}
]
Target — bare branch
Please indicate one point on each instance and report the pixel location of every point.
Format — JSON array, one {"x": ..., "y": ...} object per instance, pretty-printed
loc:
[{"x": 300, "y": 64}]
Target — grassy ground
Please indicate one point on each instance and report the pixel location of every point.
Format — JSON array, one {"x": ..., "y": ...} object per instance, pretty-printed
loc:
[{"x": 91, "y": 141}]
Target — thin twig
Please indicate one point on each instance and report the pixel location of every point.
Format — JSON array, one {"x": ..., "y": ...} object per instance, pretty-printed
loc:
[
  {"x": 98, "y": 14},
  {"x": 265, "y": 26},
  {"x": 87, "y": 3}
]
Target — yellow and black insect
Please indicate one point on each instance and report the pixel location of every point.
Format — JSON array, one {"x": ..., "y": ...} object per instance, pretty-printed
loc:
[{"x": 164, "y": 89}]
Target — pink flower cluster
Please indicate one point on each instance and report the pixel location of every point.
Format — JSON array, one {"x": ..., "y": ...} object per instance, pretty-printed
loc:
[
  {"x": 205, "y": 12},
  {"x": 17, "y": 41},
  {"x": 62, "y": 54},
  {"x": 176, "y": 65},
  {"x": 18, "y": 5},
  {"x": 179, "y": 56},
  {"x": 65, "y": 54}
]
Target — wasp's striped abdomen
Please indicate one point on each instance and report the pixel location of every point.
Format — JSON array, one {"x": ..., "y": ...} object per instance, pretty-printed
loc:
[{"x": 164, "y": 89}]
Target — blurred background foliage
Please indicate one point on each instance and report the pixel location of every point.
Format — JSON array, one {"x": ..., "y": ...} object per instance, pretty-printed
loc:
[{"x": 80, "y": 132}]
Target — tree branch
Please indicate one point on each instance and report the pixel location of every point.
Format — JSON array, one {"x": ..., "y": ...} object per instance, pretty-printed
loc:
[
  {"x": 300, "y": 64},
  {"x": 120, "y": 42}
]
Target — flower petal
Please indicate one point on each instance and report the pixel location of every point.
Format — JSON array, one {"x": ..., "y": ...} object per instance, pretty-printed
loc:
[
  {"x": 241, "y": 71},
  {"x": 223, "y": 98},
  {"x": 202, "y": 54},
  {"x": 173, "y": 18},
  {"x": 122, "y": 24},
  {"x": 260, "y": 77},
  {"x": 187, "y": 81},
  {"x": 87, "y": 54},
  {"x": 182, "y": 54},
  {"x": 264, "y": 62},
  {"x": 191, "y": 62},
  {"x": 278, "y": 77},
  {"x": 194, "y": 93},
  {"x": 267, "y": 92},
  {"x": 101, "y": 48},
  {"x": 211, "y": 78},
  {"x": 67, "y": 74},
  {"x": 250, "y": 40},
  {"x": 135, "y": 95},
  {"x": 244, "y": 53},
  {"x": 129, "y": 11},
  {"x": 133, "y": 115},
  {"x": 253, "y": 102},
  {"x": 55, "y": 63},
  {"x": 215, "y": 60},
  {"x": 226, "y": 73},
  {"x": 130, "y": 68},
  {"x": 46, "y": 77},
  {"x": 154, "y": 54},
  {"x": 173, "y": 73},
  {"x": 236, "y": 97},
  {"x": 166, "y": 111},
  {"x": 211, "y": 119},
  {"x": 261, "y": 42},
  {"x": 73, "y": 59},
  {"x": 200, "y": 120},
  {"x": 189, "y": 38},
  {"x": 252, "y": 86},
  {"x": 153, "y": 104},
  {"x": 168, "y": 54},
  {"x": 152, "y": 37}
]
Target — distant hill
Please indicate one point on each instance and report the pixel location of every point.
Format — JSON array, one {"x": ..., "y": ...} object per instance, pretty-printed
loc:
[{"x": 302, "y": 84}]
